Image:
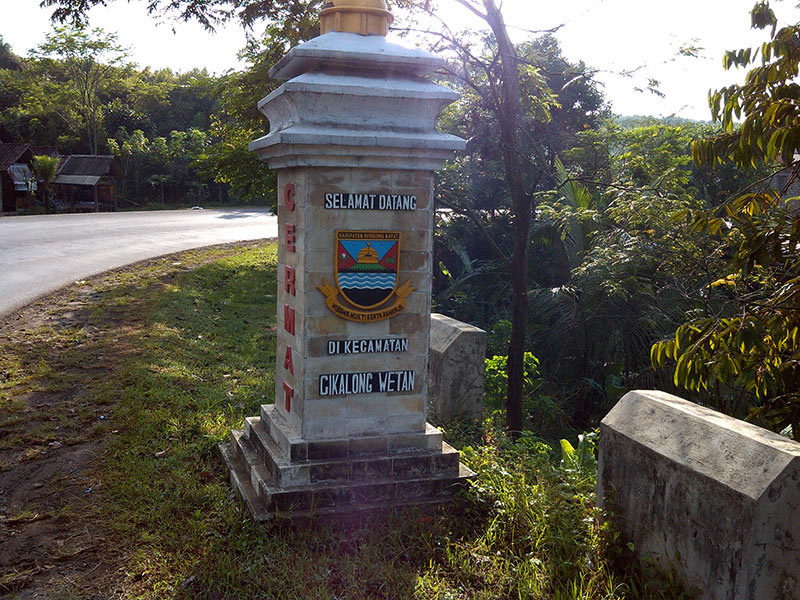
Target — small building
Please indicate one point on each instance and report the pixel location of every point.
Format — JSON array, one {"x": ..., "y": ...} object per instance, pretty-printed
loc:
[
  {"x": 16, "y": 179},
  {"x": 88, "y": 182}
]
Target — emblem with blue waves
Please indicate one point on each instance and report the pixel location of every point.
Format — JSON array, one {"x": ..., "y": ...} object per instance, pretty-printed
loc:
[{"x": 368, "y": 281}]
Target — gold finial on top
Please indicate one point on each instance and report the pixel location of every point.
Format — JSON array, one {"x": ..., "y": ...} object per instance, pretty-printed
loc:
[{"x": 366, "y": 17}]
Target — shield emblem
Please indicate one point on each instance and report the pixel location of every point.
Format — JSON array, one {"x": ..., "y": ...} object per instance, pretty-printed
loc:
[{"x": 366, "y": 266}]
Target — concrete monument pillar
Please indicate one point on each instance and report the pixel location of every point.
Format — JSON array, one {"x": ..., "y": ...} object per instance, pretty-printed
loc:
[{"x": 352, "y": 134}]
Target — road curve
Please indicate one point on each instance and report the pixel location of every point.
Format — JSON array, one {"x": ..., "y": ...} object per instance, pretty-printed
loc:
[{"x": 40, "y": 254}]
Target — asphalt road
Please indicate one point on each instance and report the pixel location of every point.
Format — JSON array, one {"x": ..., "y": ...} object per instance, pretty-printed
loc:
[{"x": 39, "y": 254}]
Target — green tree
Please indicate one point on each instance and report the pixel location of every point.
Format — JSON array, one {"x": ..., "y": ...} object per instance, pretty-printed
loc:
[
  {"x": 500, "y": 250},
  {"x": 206, "y": 12},
  {"x": 238, "y": 120},
  {"x": 226, "y": 160},
  {"x": 46, "y": 168},
  {"x": 83, "y": 62},
  {"x": 496, "y": 77},
  {"x": 751, "y": 350},
  {"x": 8, "y": 60},
  {"x": 131, "y": 149},
  {"x": 635, "y": 272}
]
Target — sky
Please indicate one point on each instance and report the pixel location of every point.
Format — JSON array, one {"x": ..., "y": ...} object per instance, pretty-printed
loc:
[{"x": 640, "y": 37}]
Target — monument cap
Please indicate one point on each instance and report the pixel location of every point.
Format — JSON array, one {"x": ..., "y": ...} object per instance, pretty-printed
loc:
[{"x": 365, "y": 17}]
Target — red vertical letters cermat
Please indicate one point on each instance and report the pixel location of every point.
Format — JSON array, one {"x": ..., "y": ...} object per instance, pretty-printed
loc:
[
  {"x": 289, "y": 287},
  {"x": 289, "y": 237},
  {"x": 288, "y": 318},
  {"x": 288, "y": 394},
  {"x": 288, "y": 364},
  {"x": 288, "y": 196},
  {"x": 288, "y": 284}
]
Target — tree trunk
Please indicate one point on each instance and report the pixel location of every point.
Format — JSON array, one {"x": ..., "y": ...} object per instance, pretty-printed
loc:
[
  {"x": 510, "y": 111},
  {"x": 136, "y": 179}
]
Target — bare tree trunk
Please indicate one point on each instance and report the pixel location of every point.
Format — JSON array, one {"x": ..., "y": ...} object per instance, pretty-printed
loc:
[
  {"x": 510, "y": 111},
  {"x": 125, "y": 177},
  {"x": 136, "y": 178}
]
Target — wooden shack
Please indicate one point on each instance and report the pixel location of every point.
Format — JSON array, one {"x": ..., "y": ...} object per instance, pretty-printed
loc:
[
  {"x": 88, "y": 182},
  {"x": 16, "y": 180}
]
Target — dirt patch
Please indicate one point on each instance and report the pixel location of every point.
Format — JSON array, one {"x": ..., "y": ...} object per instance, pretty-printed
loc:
[
  {"x": 47, "y": 542},
  {"x": 54, "y": 429}
]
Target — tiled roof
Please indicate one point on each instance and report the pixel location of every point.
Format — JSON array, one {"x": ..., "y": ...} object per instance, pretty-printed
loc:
[
  {"x": 11, "y": 153},
  {"x": 84, "y": 164}
]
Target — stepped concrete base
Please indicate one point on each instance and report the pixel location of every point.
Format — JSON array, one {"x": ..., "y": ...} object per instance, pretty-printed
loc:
[{"x": 277, "y": 475}]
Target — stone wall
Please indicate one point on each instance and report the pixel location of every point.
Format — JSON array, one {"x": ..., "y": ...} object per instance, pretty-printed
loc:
[
  {"x": 455, "y": 369},
  {"x": 716, "y": 498}
]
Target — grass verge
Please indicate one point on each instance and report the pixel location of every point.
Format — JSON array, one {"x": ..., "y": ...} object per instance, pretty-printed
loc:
[{"x": 148, "y": 370}]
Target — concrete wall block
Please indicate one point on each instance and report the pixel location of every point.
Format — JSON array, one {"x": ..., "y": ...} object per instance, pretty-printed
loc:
[
  {"x": 408, "y": 323},
  {"x": 406, "y": 405},
  {"x": 322, "y": 261},
  {"x": 324, "y": 429},
  {"x": 365, "y": 406},
  {"x": 378, "y": 361},
  {"x": 295, "y": 476},
  {"x": 455, "y": 369},
  {"x": 295, "y": 217},
  {"x": 344, "y": 179},
  {"x": 324, "y": 409},
  {"x": 434, "y": 437},
  {"x": 348, "y": 148},
  {"x": 280, "y": 429},
  {"x": 326, "y": 325},
  {"x": 405, "y": 424},
  {"x": 327, "y": 221},
  {"x": 292, "y": 418},
  {"x": 297, "y": 177},
  {"x": 711, "y": 496},
  {"x": 415, "y": 261},
  {"x": 412, "y": 179},
  {"x": 376, "y": 329},
  {"x": 419, "y": 301},
  {"x": 293, "y": 259},
  {"x": 361, "y": 426}
]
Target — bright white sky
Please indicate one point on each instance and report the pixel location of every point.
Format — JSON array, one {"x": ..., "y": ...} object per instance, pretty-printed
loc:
[{"x": 609, "y": 35}]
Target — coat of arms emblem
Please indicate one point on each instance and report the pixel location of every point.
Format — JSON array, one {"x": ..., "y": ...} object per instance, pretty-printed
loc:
[{"x": 366, "y": 266}]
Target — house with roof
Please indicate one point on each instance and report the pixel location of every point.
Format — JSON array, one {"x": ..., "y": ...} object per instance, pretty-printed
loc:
[
  {"x": 88, "y": 182},
  {"x": 16, "y": 179}
]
